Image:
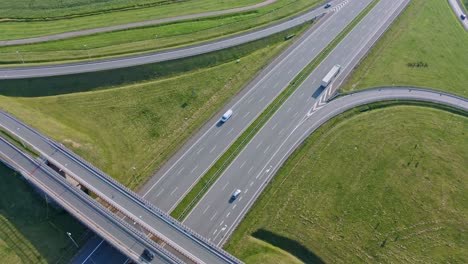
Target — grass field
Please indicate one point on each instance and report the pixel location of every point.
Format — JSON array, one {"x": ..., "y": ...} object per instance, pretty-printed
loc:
[
  {"x": 60, "y": 9},
  {"x": 26, "y": 223},
  {"x": 383, "y": 186},
  {"x": 136, "y": 40},
  {"x": 128, "y": 131},
  {"x": 427, "y": 33}
]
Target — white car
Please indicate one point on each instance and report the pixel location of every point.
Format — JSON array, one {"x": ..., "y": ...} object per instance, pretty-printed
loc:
[
  {"x": 226, "y": 115},
  {"x": 235, "y": 194}
]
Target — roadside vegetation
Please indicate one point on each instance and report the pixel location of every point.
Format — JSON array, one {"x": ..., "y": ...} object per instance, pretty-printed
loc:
[
  {"x": 27, "y": 221},
  {"x": 58, "y": 9},
  {"x": 130, "y": 127},
  {"x": 425, "y": 47},
  {"x": 136, "y": 40},
  {"x": 381, "y": 186}
]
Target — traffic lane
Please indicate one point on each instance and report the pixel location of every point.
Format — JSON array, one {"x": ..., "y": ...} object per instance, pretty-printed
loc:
[
  {"x": 282, "y": 115},
  {"x": 456, "y": 6},
  {"x": 213, "y": 143},
  {"x": 119, "y": 200},
  {"x": 106, "y": 64},
  {"x": 75, "y": 204}
]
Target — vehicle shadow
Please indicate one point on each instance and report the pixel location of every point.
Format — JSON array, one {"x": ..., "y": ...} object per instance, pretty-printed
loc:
[
  {"x": 317, "y": 92},
  {"x": 291, "y": 246}
]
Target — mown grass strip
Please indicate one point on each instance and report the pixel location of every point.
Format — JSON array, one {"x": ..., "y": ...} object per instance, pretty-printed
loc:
[
  {"x": 197, "y": 192},
  {"x": 18, "y": 143}
]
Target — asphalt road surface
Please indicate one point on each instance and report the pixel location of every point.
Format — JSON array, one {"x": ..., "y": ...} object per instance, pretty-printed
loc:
[
  {"x": 176, "y": 178},
  {"x": 91, "y": 31},
  {"x": 123, "y": 62},
  {"x": 92, "y": 214},
  {"x": 457, "y": 8},
  {"x": 215, "y": 216}
]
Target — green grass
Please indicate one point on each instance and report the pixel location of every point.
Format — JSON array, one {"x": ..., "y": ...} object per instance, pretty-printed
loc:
[
  {"x": 426, "y": 32},
  {"x": 387, "y": 185},
  {"x": 210, "y": 177},
  {"x": 60, "y": 9},
  {"x": 130, "y": 130},
  {"x": 141, "y": 39},
  {"x": 30, "y": 230}
]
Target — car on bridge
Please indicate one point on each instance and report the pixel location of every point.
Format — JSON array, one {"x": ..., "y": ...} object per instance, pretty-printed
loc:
[{"x": 328, "y": 5}]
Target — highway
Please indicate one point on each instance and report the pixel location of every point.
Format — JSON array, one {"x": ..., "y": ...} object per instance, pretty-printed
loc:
[
  {"x": 86, "y": 32},
  {"x": 214, "y": 216},
  {"x": 128, "y": 61},
  {"x": 184, "y": 170},
  {"x": 176, "y": 236},
  {"x": 457, "y": 8},
  {"x": 92, "y": 214}
]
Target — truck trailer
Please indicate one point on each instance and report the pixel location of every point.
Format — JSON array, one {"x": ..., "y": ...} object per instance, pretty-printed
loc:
[{"x": 330, "y": 75}]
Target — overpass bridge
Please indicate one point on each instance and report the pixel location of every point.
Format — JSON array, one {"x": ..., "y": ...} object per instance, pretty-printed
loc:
[{"x": 176, "y": 238}]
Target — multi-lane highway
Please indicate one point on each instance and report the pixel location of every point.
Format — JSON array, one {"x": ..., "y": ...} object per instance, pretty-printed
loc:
[
  {"x": 123, "y": 62},
  {"x": 120, "y": 234},
  {"x": 172, "y": 182},
  {"x": 247, "y": 172},
  {"x": 176, "y": 236}
]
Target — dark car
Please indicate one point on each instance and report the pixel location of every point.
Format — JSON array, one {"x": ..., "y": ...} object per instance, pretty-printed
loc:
[
  {"x": 463, "y": 16},
  {"x": 148, "y": 254},
  {"x": 328, "y": 5}
]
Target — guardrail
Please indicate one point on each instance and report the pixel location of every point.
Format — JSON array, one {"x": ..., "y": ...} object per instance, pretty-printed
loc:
[
  {"x": 153, "y": 210},
  {"x": 86, "y": 199}
]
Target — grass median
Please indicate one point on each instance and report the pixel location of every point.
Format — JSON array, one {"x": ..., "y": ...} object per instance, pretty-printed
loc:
[
  {"x": 143, "y": 39},
  {"x": 379, "y": 183},
  {"x": 210, "y": 177},
  {"x": 425, "y": 47},
  {"x": 127, "y": 123}
]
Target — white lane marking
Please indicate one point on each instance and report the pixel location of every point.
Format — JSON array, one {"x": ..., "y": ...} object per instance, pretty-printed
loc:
[
  {"x": 281, "y": 132},
  {"x": 222, "y": 222},
  {"x": 242, "y": 196},
  {"x": 289, "y": 109},
  {"x": 259, "y": 144},
  {"x": 273, "y": 128},
  {"x": 175, "y": 189},
  {"x": 159, "y": 193},
  {"x": 194, "y": 169},
  {"x": 261, "y": 99},
  {"x": 242, "y": 165},
  {"x": 211, "y": 151},
  {"x": 224, "y": 187},
  {"x": 228, "y": 214},
  {"x": 246, "y": 114},
  {"x": 295, "y": 114},
  {"x": 245, "y": 192},
  {"x": 250, "y": 100},
  {"x": 200, "y": 150},
  {"x": 234, "y": 206},
  {"x": 178, "y": 173},
  {"x": 211, "y": 219},
  {"x": 217, "y": 132},
  {"x": 250, "y": 170},
  {"x": 266, "y": 150},
  {"x": 302, "y": 94},
  {"x": 230, "y": 131},
  {"x": 251, "y": 183},
  {"x": 206, "y": 209},
  {"x": 215, "y": 231}
]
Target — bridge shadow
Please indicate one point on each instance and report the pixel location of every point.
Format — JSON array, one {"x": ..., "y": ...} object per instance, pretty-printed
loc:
[
  {"x": 34, "y": 231},
  {"x": 291, "y": 246}
]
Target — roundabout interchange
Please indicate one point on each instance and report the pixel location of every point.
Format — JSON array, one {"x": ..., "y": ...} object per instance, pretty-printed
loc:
[{"x": 301, "y": 114}]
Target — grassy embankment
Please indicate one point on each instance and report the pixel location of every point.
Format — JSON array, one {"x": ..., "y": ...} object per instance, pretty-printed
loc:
[
  {"x": 418, "y": 50},
  {"x": 130, "y": 130},
  {"x": 30, "y": 230},
  {"x": 210, "y": 177},
  {"x": 47, "y": 10},
  {"x": 381, "y": 186},
  {"x": 138, "y": 40}
]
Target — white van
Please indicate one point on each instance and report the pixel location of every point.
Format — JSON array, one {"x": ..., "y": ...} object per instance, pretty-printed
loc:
[{"x": 226, "y": 115}]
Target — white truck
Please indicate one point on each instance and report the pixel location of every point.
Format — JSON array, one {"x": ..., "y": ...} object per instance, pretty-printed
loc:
[{"x": 330, "y": 75}]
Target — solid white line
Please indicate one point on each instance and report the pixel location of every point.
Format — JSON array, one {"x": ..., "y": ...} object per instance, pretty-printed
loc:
[{"x": 92, "y": 252}]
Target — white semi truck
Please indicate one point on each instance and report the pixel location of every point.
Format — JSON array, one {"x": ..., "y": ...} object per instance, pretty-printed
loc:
[{"x": 330, "y": 75}]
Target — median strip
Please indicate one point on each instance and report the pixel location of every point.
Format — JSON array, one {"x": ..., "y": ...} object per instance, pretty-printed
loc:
[{"x": 198, "y": 191}]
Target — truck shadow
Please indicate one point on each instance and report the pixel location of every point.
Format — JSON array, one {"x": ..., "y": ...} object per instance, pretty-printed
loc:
[
  {"x": 317, "y": 92},
  {"x": 289, "y": 245}
]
